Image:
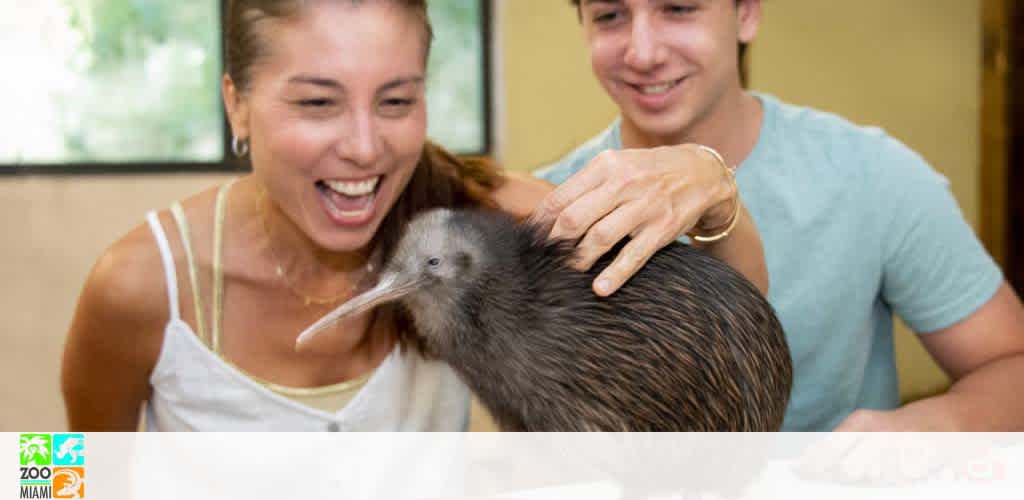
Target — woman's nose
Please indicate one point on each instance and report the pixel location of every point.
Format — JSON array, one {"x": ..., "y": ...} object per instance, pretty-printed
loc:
[{"x": 360, "y": 142}]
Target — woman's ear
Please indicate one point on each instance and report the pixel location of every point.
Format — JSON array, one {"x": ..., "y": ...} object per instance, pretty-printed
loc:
[
  {"x": 236, "y": 104},
  {"x": 748, "y": 17}
]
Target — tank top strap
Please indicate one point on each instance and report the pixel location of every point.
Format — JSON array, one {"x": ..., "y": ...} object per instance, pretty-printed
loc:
[
  {"x": 179, "y": 217},
  {"x": 170, "y": 272},
  {"x": 217, "y": 312}
]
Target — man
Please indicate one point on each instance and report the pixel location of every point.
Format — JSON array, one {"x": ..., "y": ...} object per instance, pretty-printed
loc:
[{"x": 855, "y": 225}]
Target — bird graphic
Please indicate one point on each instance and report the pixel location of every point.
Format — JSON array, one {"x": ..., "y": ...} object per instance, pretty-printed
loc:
[
  {"x": 35, "y": 450},
  {"x": 68, "y": 448}
]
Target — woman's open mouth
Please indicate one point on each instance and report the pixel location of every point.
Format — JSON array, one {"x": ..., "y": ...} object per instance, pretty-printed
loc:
[{"x": 349, "y": 202}]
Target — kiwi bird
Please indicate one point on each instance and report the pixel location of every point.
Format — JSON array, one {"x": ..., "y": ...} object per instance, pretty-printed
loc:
[{"x": 687, "y": 344}]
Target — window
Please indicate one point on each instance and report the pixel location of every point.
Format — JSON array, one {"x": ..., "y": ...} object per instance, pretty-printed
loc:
[{"x": 133, "y": 85}]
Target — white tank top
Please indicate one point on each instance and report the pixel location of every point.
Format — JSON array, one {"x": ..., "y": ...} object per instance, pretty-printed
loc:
[{"x": 193, "y": 389}]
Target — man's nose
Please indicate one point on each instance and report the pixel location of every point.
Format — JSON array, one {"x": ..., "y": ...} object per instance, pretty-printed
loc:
[{"x": 645, "y": 51}]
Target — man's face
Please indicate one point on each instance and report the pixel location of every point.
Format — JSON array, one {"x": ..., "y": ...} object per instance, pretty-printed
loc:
[{"x": 666, "y": 63}]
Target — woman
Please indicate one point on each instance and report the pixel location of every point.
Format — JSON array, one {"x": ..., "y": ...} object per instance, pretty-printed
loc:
[{"x": 327, "y": 98}]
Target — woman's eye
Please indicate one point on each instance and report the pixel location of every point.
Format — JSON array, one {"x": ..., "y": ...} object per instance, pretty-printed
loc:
[
  {"x": 397, "y": 102},
  {"x": 680, "y": 9},
  {"x": 396, "y": 108},
  {"x": 315, "y": 103}
]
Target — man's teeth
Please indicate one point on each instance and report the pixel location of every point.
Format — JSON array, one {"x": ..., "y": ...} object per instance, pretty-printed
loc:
[
  {"x": 360, "y": 188},
  {"x": 657, "y": 89}
]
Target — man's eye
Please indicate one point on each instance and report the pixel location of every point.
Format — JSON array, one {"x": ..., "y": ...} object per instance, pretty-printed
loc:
[{"x": 606, "y": 17}]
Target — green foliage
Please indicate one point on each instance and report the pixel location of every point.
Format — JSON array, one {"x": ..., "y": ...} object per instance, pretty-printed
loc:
[
  {"x": 455, "y": 77},
  {"x": 149, "y": 81},
  {"x": 143, "y": 81}
]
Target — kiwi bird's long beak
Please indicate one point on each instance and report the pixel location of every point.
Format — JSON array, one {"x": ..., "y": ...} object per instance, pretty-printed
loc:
[{"x": 392, "y": 286}]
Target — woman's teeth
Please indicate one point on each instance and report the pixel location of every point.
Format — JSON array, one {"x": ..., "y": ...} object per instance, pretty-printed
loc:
[
  {"x": 361, "y": 188},
  {"x": 349, "y": 202}
]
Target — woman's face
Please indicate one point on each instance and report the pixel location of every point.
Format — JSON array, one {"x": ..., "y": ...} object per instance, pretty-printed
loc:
[{"x": 336, "y": 116}]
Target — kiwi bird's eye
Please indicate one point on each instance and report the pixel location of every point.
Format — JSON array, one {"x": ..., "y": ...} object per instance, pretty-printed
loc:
[
  {"x": 462, "y": 260},
  {"x": 434, "y": 261}
]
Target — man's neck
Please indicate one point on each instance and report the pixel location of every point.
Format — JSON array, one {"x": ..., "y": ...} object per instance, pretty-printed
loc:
[{"x": 731, "y": 127}]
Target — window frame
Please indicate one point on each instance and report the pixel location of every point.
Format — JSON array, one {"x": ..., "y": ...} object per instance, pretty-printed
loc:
[{"x": 229, "y": 163}]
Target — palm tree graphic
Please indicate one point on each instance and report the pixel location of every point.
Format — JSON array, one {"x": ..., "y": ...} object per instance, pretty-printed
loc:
[{"x": 35, "y": 450}]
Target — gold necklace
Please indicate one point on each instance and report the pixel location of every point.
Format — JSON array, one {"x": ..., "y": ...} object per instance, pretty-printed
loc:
[{"x": 308, "y": 300}]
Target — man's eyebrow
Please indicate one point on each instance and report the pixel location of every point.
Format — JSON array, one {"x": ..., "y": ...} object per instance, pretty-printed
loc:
[{"x": 589, "y": 2}]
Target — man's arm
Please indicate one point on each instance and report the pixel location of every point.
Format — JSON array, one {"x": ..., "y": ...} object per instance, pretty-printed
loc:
[{"x": 984, "y": 354}]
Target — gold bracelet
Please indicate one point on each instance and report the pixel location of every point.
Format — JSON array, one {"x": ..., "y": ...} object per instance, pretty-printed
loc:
[{"x": 736, "y": 211}]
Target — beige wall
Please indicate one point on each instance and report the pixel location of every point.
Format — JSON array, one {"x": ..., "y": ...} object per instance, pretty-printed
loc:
[
  {"x": 53, "y": 229},
  {"x": 552, "y": 102},
  {"x": 910, "y": 66}
]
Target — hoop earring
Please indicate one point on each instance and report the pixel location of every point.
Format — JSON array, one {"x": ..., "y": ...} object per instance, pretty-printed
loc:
[{"x": 240, "y": 147}]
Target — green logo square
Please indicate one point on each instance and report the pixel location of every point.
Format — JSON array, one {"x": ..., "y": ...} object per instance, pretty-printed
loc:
[{"x": 35, "y": 449}]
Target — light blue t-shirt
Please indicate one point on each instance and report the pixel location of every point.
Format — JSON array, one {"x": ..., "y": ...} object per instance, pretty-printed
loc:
[{"x": 856, "y": 227}]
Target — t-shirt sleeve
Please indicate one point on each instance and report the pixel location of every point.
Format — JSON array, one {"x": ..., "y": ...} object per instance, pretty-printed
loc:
[
  {"x": 575, "y": 161},
  {"x": 935, "y": 270},
  {"x": 560, "y": 171}
]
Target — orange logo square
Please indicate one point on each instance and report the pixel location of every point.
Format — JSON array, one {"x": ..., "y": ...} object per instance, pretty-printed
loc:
[{"x": 69, "y": 482}]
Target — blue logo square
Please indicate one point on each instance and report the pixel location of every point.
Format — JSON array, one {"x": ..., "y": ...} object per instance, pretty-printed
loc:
[{"x": 69, "y": 449}]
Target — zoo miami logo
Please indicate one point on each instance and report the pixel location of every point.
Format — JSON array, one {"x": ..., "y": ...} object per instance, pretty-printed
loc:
[{"x": 52, "y": 465}]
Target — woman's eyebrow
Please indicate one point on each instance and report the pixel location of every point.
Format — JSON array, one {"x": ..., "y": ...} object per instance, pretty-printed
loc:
[
  {"x": 315, "y": 80},
  {"x": 398, "y": 82},
  {"x": 334, "y": 84}
]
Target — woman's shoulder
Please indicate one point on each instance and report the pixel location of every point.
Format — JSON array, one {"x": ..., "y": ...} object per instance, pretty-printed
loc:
[
  {"x": 128, "y": 283},
  {"x": 520, "y": 194},
  {"x": 121, "y": 314}
]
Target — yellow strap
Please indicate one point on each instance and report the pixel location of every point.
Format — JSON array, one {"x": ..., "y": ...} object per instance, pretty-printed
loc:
[
  {"x": 323, "y": 390},
  {"x": 179, "y": 218},
  {"x": 218, "y": 275},
  {"x": 217, "y": 316}
]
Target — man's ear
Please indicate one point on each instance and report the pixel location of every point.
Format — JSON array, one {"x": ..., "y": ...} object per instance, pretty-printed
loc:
[
  {"x": 748, "y": 17},
  {"x": 236, "y": 103}
]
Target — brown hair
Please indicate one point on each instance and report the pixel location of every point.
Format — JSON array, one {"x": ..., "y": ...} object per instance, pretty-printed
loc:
[
  {"x": 243, "y": 47},
  {"x": 440, "y": 178},
  {"x": 741, "y": 48}
]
